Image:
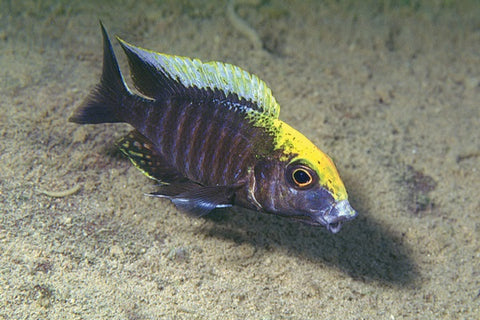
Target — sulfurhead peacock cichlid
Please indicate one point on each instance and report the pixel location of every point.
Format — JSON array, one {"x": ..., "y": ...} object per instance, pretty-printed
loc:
[{"x": 209, "y": 133}]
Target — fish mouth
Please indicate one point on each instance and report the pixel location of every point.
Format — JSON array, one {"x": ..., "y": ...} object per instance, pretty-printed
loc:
[
  {"x": 331, "y": 218},
  {"x": 340, "y": 212}
]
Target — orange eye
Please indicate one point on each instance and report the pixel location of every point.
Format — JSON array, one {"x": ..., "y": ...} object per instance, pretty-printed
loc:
[{"x": 301, "y": 177}]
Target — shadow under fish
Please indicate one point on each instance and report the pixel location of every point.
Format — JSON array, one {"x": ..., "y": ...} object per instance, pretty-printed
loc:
[{"x": 209, "y": 133}]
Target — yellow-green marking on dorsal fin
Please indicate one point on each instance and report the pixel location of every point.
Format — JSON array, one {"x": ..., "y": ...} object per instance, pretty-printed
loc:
[
  {"x": 221, "y": 76},
  {"x": 211, "y": 75}
]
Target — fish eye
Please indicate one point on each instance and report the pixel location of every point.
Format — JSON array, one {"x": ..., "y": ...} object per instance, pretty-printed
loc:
[{"x": 301, "y": 176}]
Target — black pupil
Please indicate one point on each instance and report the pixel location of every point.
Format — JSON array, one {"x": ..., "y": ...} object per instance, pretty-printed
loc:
[{"x": 301, "y": 176}]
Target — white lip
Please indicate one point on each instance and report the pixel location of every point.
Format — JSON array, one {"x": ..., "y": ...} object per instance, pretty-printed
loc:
[{"x": 341, "y": 211}]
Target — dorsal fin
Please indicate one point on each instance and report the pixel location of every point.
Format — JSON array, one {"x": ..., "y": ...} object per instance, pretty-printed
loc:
[{"x": 158, "y": 75}]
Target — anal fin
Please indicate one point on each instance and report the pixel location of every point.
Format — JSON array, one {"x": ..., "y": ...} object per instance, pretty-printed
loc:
[{"x": 142, "y": 154}]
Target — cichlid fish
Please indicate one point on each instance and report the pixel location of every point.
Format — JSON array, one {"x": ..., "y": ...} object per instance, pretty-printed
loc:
[{"x": 209, "y": 133}]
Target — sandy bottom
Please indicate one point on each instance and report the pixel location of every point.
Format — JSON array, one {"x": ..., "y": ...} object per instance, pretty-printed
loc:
[{"x": 390, "y": 91}]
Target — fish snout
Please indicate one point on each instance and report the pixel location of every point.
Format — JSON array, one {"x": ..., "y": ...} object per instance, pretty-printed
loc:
[{"x": 340, "y": 212}]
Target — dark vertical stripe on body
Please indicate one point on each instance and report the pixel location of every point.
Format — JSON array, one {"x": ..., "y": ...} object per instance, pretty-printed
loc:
[
  {"x": 189, "y": 151},
  {"x": 153, "y": 128},
  {"x": 231, "y": 159},
  {"x": 150, "y": 129},
  {"x": 224, "y": 150},
  {"x": 195, "y": 150},
  {"x": 167, "y": 129},
  {"x": 207, "y": 138},
  {"x": 215, "y": 156},
  {"x": 178, "y": 135},
  {"x": 243, "y": 151}
]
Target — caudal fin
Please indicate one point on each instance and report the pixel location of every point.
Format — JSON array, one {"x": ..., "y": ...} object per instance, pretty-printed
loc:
[{"x": 104, "y": 103}]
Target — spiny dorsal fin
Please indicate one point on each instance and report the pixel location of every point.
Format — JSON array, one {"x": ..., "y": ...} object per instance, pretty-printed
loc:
[{"x": 154, "y": 73}]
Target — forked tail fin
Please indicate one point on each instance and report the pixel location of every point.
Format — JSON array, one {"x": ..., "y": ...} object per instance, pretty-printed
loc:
[{"x": 105, "y": 102}]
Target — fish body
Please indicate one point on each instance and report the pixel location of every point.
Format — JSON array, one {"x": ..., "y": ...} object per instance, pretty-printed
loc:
[{"x": 210, "y": 134}]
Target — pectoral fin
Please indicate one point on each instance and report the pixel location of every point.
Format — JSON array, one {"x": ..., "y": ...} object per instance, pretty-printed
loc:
[{"x": 196, "y": 199}]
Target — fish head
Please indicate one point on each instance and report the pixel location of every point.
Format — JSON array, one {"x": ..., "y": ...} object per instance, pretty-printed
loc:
[
  {"x": 301, "y": 182},
  {"x": 295, "y": 190}
]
